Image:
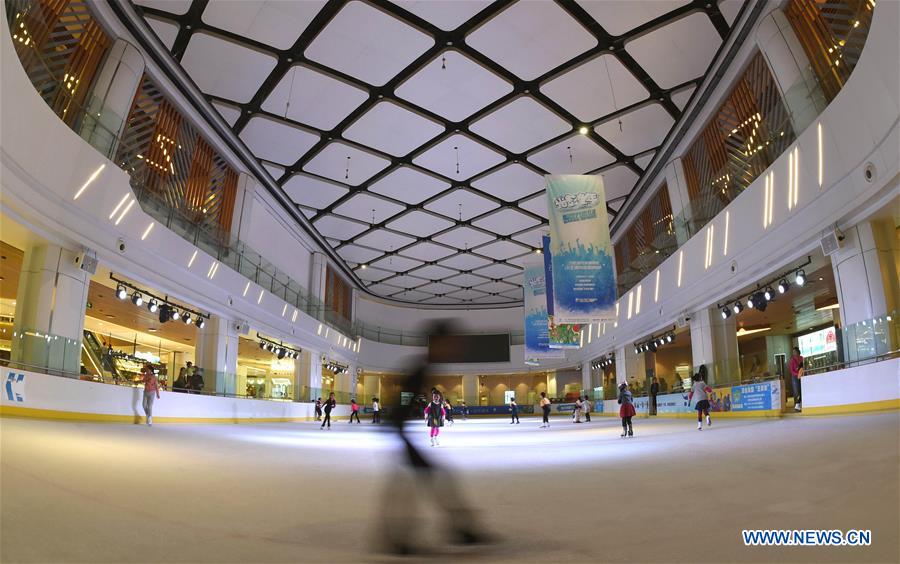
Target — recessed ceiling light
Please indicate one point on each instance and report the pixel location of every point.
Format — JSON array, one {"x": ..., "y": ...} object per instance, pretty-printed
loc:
[{"x": 152, "y": 330}]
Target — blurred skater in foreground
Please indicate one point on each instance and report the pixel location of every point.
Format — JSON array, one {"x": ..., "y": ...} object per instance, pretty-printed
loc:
[{"x": 418, "y": 478}]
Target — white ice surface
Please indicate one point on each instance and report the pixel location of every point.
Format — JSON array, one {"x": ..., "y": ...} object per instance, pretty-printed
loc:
[{"x": 576, "y": 493}]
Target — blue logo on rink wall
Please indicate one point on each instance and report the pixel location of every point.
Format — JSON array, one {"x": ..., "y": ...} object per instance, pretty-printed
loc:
[
  {"x": 15, "y": 387},
  {"x": 584, "y": 280},
  {"x": 756, "y": 397}
]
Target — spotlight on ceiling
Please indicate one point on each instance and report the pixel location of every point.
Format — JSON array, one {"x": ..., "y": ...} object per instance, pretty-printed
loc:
[
  {"x": 281, "y": 353},
  {"x": 174, "y": 315},
  {"x": 636, "y": 350},
  {"x": 137, "y": 299},
  {"x": 262, "y": 345},
  {"x": 751, "y": 301},
  {"x": 165, "y": 313},
  {"x": 186, "y": 318},
  {"x": 738, "y": 307},
  {"x": 200, "y": 322},
  {"x": 153, "y": 306},
  {"x": 670, "y": 337},
  {"x": 769, "y": 293},
  {"x": 783, "y": 286},
  {"x": 583, "y": 130},
  {"x": 652, "y": 346},
  {"x": 726, "y": 312},
  {"x": 121, "y": 292},
  {"x": 760, "y": 300},
  {"x": 800, "y": 279}
]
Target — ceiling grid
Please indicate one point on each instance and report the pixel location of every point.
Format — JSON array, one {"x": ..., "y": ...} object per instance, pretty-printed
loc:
[{"x": 433, "y": 119}]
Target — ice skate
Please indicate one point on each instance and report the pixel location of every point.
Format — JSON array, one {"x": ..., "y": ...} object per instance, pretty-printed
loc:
[{"x": 708, "y": 421}]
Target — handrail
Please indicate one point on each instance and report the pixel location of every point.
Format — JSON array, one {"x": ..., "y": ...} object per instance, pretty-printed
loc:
[{"x": 851, "y": 363}]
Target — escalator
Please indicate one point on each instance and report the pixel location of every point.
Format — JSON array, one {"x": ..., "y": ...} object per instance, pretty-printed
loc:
[{"x": 95, "y": 359}]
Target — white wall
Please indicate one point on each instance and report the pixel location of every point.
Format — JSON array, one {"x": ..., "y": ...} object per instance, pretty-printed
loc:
[
  {"x": 73, "y": 397},
  {"x": 412, "y": 319},
  {"x": 277, "y": 239},
  {"x": 868, "y": 383}
]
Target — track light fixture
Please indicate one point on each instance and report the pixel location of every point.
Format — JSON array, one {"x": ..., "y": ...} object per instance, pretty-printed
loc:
[
  {"x": 750, "y": 303},
  {"x": 726, "y": 312},
  {"x": 800, "y": 278},
  {"x": 156, "y": 304},
  {"x": 737, "y": 308},
  {"x": 760, "y": 301},
  {"x": 769, "y": 293},
  {"x": 783, "y": 286},
  {"x": 280, "y": 350}
]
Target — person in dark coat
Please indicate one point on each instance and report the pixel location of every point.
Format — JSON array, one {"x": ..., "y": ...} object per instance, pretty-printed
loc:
[
  {"x": 196, "y": 382},
  {"x": 654, "y": 390},
  {"x": 330, "y": 404},
  {"x": 626, "y": 412}
]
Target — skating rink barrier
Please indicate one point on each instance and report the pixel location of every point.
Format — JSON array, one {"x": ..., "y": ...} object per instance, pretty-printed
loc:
[{"x": 870, "y": 387}]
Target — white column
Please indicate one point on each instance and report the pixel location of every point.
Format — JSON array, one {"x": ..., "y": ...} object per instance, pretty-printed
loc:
[
  {"x": 586, "y": 382},
  {"x": 676, "y": 184},
  {"x": 714, "y": 344},
  {"x": 866, "y": 272},
  {"x": 470, "y": 389},
  {"x": 50, "y": 304},
  {"x": 216, "y": 354},
  {"x": 621, "y": 367},
  {"x": 243, "y": 206},
  {"x": 112, "y": 94},
  {"x": 308, "y": 373},
  {"x": 791, "y": 69},
  {"x": 371, "y": 387}
]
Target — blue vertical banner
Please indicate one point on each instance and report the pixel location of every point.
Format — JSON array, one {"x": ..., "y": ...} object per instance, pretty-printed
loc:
[
  {"x": 560, "y": 335},
  {"x": 536, "y": 335},
  {"x": 584, "y": 278}
]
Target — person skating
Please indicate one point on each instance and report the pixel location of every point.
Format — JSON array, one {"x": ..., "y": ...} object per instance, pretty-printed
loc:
[
  {"x": 465, "y": 411},
  {"x": 448, "y": 409},
  {"x": 699, "y": 393},
  {"x": 514, "y": 411},
  {"x": 586, "y": 408},
  {"x": 318, "y": 409},
  {"x": 376, "y": 411},
  {"x": 354, "y": 411},
  {"x": 576, "y": 413},
  {"x": 796, "y": 367},
  {"x": 330, "y": 404},
  {"x": 626, "y": 412},
  {"x": 545, "y": 408},
  {"x": 434, "y": 417},
  {"x": 151, "y": 391}
]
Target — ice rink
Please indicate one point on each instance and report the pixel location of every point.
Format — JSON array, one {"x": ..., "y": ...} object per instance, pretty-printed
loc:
[{"x": 575, "y": 493}]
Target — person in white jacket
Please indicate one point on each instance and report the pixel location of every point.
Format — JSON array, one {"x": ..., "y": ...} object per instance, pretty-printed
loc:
[
  {"x": 586, "y": 408},
  {"x": 576, "y": 414}
]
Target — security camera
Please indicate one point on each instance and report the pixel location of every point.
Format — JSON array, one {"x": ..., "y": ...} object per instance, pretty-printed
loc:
[{"x": 120, "y": 245}]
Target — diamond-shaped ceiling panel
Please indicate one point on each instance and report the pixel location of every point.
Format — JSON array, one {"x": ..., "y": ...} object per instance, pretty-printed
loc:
[
  {"x": 367, "y": 43},
  {"x": 392, "y": 129},
  {"x": 313, "y": 98},
  {"x": 577, "y": 154},
  {"x": 453, "y": 86},
  {"x": 531, "y": 38},
  {"x": 510, "y": 182},
  {"x": 278, "y": 24},
  {"x": 435, "y": 102},
  {"x": 521, "y": 125}
]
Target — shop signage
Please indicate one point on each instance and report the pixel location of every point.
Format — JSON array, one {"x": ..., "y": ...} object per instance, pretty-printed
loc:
[{"x": 584, "y": 280}]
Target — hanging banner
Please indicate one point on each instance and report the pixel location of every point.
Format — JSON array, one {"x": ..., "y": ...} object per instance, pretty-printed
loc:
[
  {"x": 584, "y": 280},
  {"x": 536, "y": 337},
  {"x": 561, "y": 336}
]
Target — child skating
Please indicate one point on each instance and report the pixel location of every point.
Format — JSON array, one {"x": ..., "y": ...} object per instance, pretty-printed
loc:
[
  {"x": 354, "y": 411},
  {"x": 434, "y": 417},
  {"x": 626, "y": 412},
  {"x": 545, "y": 408},
  {"x": 514, "y": 410},
  {"x": 700, "y": 390}
]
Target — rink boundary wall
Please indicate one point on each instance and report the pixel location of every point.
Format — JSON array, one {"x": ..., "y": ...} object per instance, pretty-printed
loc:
[{"x": 36, "y": 395}]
